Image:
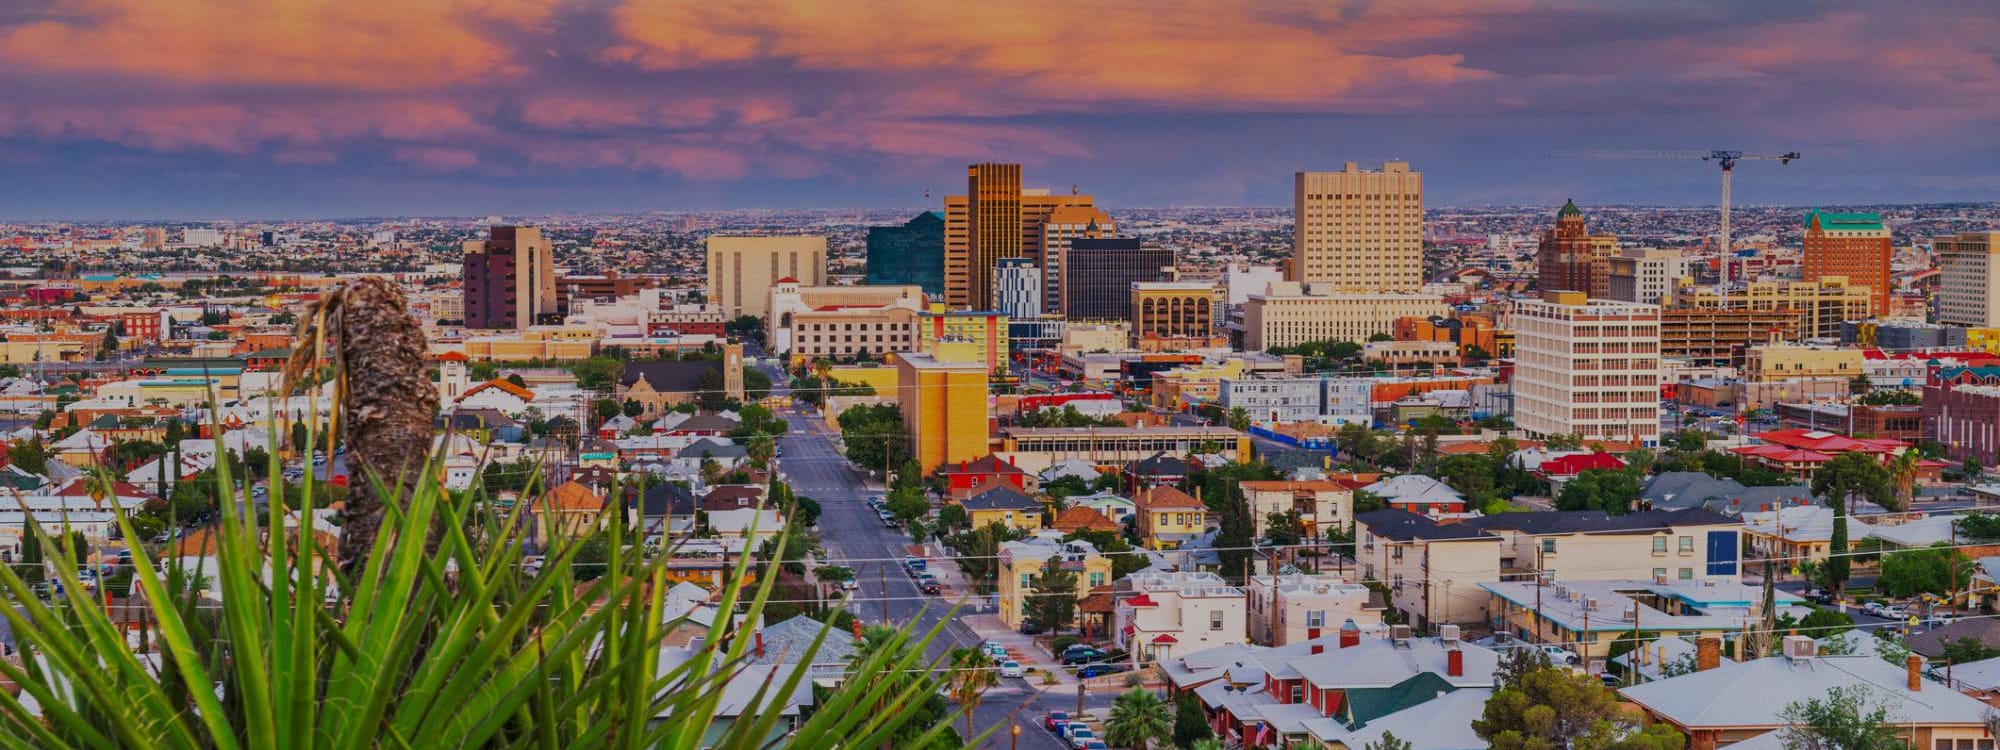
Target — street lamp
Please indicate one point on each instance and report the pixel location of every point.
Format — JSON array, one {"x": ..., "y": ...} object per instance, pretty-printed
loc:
[{"x": 1014, "y": 738}]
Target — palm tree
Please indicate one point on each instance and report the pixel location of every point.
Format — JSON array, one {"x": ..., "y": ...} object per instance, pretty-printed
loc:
[
  {"x": 1239, "y": 418},
  {"x": 1138, "y": 717},
  {"x": 1903, "y": 467},
  {"x": 972, "y": 673}
]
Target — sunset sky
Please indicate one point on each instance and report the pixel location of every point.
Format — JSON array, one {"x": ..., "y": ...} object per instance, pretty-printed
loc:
[{"x": 201, "y": 108}]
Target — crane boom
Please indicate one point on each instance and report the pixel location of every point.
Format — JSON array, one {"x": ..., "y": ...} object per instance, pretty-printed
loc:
[{"x": 1725, "y": 158}]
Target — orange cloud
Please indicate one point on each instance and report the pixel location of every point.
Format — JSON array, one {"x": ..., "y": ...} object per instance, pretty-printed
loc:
[
  {"x": 1231, "y": 53},
  {"x": 356, "y": 44}
]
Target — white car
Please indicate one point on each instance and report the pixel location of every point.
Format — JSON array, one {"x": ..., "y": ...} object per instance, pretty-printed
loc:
[
  {"x": 1557, "y": 654},
  {"x": 1080, "y": 737},
  {"x": 1011, "y": 668},
  {"x": 850, "y": 584}
]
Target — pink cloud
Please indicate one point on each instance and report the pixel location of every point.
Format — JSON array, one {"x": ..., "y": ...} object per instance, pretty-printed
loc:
[{"x": 437, "y": 158}]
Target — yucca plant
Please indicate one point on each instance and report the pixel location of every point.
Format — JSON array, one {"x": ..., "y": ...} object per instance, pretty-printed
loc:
[{"x": 436, "y": 637}]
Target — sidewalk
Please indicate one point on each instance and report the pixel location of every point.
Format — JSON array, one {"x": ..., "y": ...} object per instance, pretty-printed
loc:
[{"x": 1023, "y": 648}]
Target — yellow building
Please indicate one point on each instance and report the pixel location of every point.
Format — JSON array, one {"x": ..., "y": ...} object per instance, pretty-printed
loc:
[
  {"x": 881, "y": 378},
  {"x": 986, "y": 331},
  {"x": 742, "y": 270},
  {"x": 1021, "y": 562},
  {"x": 534, "y": 343},
  {"x": 1167, "y": 517},
  {"x": 1290, "y": 314},
  {"x": 28, "y": 348},
  {"x": 1772, "y": 362},
  {"x": 1038, "y": 448},
  {"x": 1004, "y": 504},
  {"x": 1173, "y": 309},
  {"x": 1823, "y": 305},
  {"x": 1983, "y": 339},
  {"x": 943, "y": 397},
  {"x": 1359, "y": 230}
]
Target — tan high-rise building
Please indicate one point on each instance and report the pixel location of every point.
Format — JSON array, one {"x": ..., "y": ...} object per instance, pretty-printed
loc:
[
  {"x": 1968, "y": 279},
  {"x": 509, "y": 278},
  {"x": 995, "y": 219},
  {"x": 1573, "y": 259},
  {"x": 1289, "y": 314},
  {"x": 1586, "y": 367},
  {"x": 1359, "y": 231},
  {"x": 1065, "y": 223},
  {"x": 1822, "y": 305},
  {"x": 742, "y": 270}
]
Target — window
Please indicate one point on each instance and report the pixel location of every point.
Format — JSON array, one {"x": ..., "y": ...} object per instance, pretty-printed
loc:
[
  {"x": 1215, "y": 620},
  {"x": 1548, "y": 546},
  {"x": 1316, "y": 618},
  {"x": 1395, "y": 553},
  {"x": 1659, "y": 545},
  {"x": 1687, "y": 574},
  {"x": 1027, "y": 581},
  {"x": 1659, "y": 573},
  {"x": 1687, "y": 545},
  {"x": 1298, "y": 694},
  {"x": 1096, "y": 580}
]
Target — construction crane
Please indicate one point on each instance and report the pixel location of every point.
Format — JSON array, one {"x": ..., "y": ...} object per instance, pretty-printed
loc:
[{"x": 1728, "y": 161}]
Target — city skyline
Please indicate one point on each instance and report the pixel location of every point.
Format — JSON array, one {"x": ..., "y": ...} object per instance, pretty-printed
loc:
[{"x": 122, "y": 109}]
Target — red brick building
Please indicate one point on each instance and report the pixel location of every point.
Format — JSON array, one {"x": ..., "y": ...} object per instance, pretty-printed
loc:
[
  {"x": 140, "y": 326},
  {"x": 1962, "y": 408},
  {"x": 1854, "y": 245},
  {"x": 1573, "y": 259}
]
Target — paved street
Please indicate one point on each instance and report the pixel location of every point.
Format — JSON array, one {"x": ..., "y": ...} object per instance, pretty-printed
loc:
[{"x": 850, "y": 531}]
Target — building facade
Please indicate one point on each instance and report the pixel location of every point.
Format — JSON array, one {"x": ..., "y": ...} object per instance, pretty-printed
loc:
[
  {"x": 742, "y": 270},
  {"x": 1359, "y": 230},
  {"x": 1854, "y": 246},
  {"x": 1097, "y": 275},
  {"x": 1173, "y": 309},
  {"x": 1018, "y": 288},
  {"x": 1573, "y": 259},
  {"x": 1646, "y": 275},
  {"x": 1969, "y": 284},
  {"x": 986, "y": 331},
  {"x": 943, "y": 398},
  {"x": 1823, "y": 305},
  {"x": 912, "y": 253},
  {"x": 1719, "y": 337},
  {"x": 1066, "y": 224},
  {"x": 1962, "y": 411},
  {"x": 1289, "y": 315},
  {"x": 509, "y": 279},
  {"x": 1587, "y": 367},
  {"x": 995, "y": 219}
]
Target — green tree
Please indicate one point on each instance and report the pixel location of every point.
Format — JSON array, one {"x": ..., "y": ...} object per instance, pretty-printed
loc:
[
  {"x": 1968, "y": 649},
  {"x": 30, "y": 455},
  {"x": 1609, "y": 490},
  {"x": 904, "y": 668},
  {"x": 1848, "y": 718},
  {"x": 1936, "y": 570},
  {"x": 1051, "y": 601},
  {"x": 1859, "y": 385},
  {"x": 606, "y": 408},
  {"x": 1838, "y": 483},
  {"x": 874, "y": 436},
  {"x": 1549, "y": 708},
  {"x": 1068, "y": 485},
  {"x": 1236, "y": 530},
  {"x": 632, "y": 408},
  {"x": 1389, "y": 741},
  {"x": 1190, "y": 722},
  {"x": 952, "y": 517},
  {"x": 32, "y": 567},
  {"x": 1138, "y": 718},
  {"x": 1284, "y": 529},
  {"x": 908, "y": 504},
  {"x": 599, "y": 373},
  {"x": 1368, "y": 502}
]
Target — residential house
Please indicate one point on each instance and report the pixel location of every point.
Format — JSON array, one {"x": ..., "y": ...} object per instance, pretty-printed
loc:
[
  {"x": 567, "y": 511},
  {"x": 1083, "y": 518},
  {"x": 1114, "y": 506},
  {"x": 1724, "y": 704},
  {"x": 966, "y": 476},
  {"x": 1801, "y": 532},
  {"x": 497, "y": 394},
  {"x": 1324, "y": 506},
  {"x": 1021, "y": 562},
  {"x": 1676, "y": 490},
  {"x": 732, "y": 497},
  {"x": 1442, "y": 723},
  {"x": 1433, "y": 570},
  {"x": 1564, "y": 467},
  {"x": 1587, "y": 615},
  {"x": 1178, "y": 612},
  {"x": 1418, "y": 493},
  {"x": 1294, "y": 607},
  {"x": 659, "y": 386},
  {"x": 1003, "y": 503},
  {"x": 1167, "y": 517},
  {"x": 1156, "y": 470},
  {"x": 666, "y": 509},
  {"x": 1587, "y": 544}
]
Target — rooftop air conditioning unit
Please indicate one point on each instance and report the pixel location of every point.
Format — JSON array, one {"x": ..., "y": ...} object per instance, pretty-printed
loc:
[
  {"x": 1399, "y": 634},
  {"x": 1799, "y": 647},
  {"x": 1448, "y": 633}
]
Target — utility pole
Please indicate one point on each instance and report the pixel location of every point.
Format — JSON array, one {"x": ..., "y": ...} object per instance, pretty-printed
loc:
[
  {"x": 882, "y": 572},
  {"x": 1638, "y": 650}
]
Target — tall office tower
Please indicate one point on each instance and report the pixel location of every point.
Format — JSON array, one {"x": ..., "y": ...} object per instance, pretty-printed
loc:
[
  {"x": 995, "y": 219},
  {"x": 1586, "y": 367},
  {"x": 1647, "y": 275},
  {"x": 1360, "y": 231},
  {"x": 912, "y": 253},
  {"x": 1969, "y": 279},
  {"x": 1098, "y": 274},
  {"x": 1065, "y": 224},
  {"x": 510, "y": 278},
  {"x": 1573, "y": 259},
  {"x": 742, "y": 270},
  {"x": 1017, "y": 285},
  {"x": 1853, "y": 245}
]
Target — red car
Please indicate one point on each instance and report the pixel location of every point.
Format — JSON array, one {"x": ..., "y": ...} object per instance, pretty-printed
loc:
[{"x": 1055, "y": 720}]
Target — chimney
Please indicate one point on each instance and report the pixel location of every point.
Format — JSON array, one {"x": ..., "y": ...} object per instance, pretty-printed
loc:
[
  {"x": 760, "y": 644},
  {"x": 1319, "y": 648},
  {"x": 1350, "y": 635},
  {"x": 856, "y": 622},
  {"x": 1707, "y": 653},
  {"x": 1914, "y": 665},
  {"x": 1312, "y": 634},
  {"x": 1010, "y": 460},
  {"x": 1454, "y": 662}
]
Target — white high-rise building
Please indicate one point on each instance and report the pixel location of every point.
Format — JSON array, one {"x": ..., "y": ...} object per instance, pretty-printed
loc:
[
  {"x": 1968, "y": 279},
  {"x": 1646, "y": 275},
  {"x": 1359, "y": 230},
  {"x": 1017, "y": 288},
  {"x": 1588, "y": 367},
  {"x": 201, "y": 237}
]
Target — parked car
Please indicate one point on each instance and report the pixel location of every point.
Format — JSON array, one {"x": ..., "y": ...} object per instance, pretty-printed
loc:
[
  {"x": 1096, "y": 745},
  {"x": 1070, "y": 727},
  {"x": 930, "y": 587},
  {"x": 1081, "y": 654},
  {"x": 1080, "y": 737},
  {"x": 1893, "y": 612},
  {"x": 1055, "y": 720},
  {"x": 1872, "y": 608},
  {"x": 1029, "y": 628},
  {"x": 1011, "y": 668},
  {"x": 1557, "y": 654},
  {"x": 888, "y": 521},
  {"x": 1099, "y": 669},
  {"x": 994, "y": 649},
  {"x": 1818, "y": 596},
  {"x": 850, "y": 585}
]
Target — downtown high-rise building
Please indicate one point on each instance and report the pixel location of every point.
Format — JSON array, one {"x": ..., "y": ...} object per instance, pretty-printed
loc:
[
  {"x": 1098, "y": 274},
  {"x": 909, "y": 253},
  {"x": 509, "y": 278},
  {"x": 1064, "y": 225},
  {"x": 995, "y": 219},
  {"x": 1359, "y": 230},
  {"x": 1573, "y": 259},
  {"x": 1586, "y": 367},
  {"x": 1968, "y": 279},
  {"x": 1017, "y": 288},
  {"x": 1853, "y": 245},
  {"x": 743, "y": 270}
]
